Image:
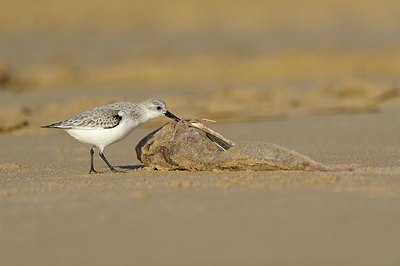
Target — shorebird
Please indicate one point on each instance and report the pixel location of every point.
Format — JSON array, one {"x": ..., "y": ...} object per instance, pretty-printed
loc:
[{"x": 105, "y": 125}]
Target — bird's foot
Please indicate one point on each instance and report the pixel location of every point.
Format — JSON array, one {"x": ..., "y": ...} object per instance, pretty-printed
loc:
[
  {"x": 92, "y": 171},
  {"x": 117, "y": 171}
]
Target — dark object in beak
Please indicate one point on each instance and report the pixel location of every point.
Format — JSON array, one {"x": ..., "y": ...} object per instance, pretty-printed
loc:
[{"x": 172, "y": 116}]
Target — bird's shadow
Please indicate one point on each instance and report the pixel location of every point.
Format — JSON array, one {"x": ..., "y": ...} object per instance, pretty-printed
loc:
[{"x": 131, "y": 167}]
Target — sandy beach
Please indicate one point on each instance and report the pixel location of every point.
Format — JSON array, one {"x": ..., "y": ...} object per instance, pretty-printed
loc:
[
  {"x": 318, "y": 78},
  {"x": 55, "y": 213}
]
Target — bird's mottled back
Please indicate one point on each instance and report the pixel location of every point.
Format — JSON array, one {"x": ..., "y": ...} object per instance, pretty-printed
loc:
[{"x": 102, "y": 117}]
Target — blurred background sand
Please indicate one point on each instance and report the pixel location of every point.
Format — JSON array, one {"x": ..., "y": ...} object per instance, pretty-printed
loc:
[
  {"x": 225, "y": 60},
  {"x": 321, "y": 77}
]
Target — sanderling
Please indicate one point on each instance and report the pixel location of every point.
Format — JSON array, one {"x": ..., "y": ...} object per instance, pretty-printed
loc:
[{"x": 110, "y": 123}]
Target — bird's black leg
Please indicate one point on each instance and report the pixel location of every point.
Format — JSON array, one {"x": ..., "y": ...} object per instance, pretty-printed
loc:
[
  {"x": 109, "y": 165},
  {"x": 91, "y": 162}
]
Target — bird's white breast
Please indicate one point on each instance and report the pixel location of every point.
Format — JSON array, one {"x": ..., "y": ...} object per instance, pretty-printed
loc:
[{"x": 103, "y": 137}]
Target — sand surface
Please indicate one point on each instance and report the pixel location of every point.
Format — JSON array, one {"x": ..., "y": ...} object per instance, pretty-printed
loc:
[
  {"x": 319, "y": 77},
  {"x": 53, "y": 213}
]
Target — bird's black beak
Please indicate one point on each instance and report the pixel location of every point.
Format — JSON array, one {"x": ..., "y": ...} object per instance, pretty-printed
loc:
[{"x": 171, "y": 115}]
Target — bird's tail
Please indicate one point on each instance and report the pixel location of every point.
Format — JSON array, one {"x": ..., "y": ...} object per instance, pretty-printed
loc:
[{"x": 55, "y": 125}]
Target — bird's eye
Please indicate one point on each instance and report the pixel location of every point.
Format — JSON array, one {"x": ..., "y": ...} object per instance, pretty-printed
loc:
[{"x": 158, "y": 107}]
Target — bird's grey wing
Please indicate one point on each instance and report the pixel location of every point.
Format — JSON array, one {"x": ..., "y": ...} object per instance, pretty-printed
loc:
[{"x": 98, "y": 118}]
